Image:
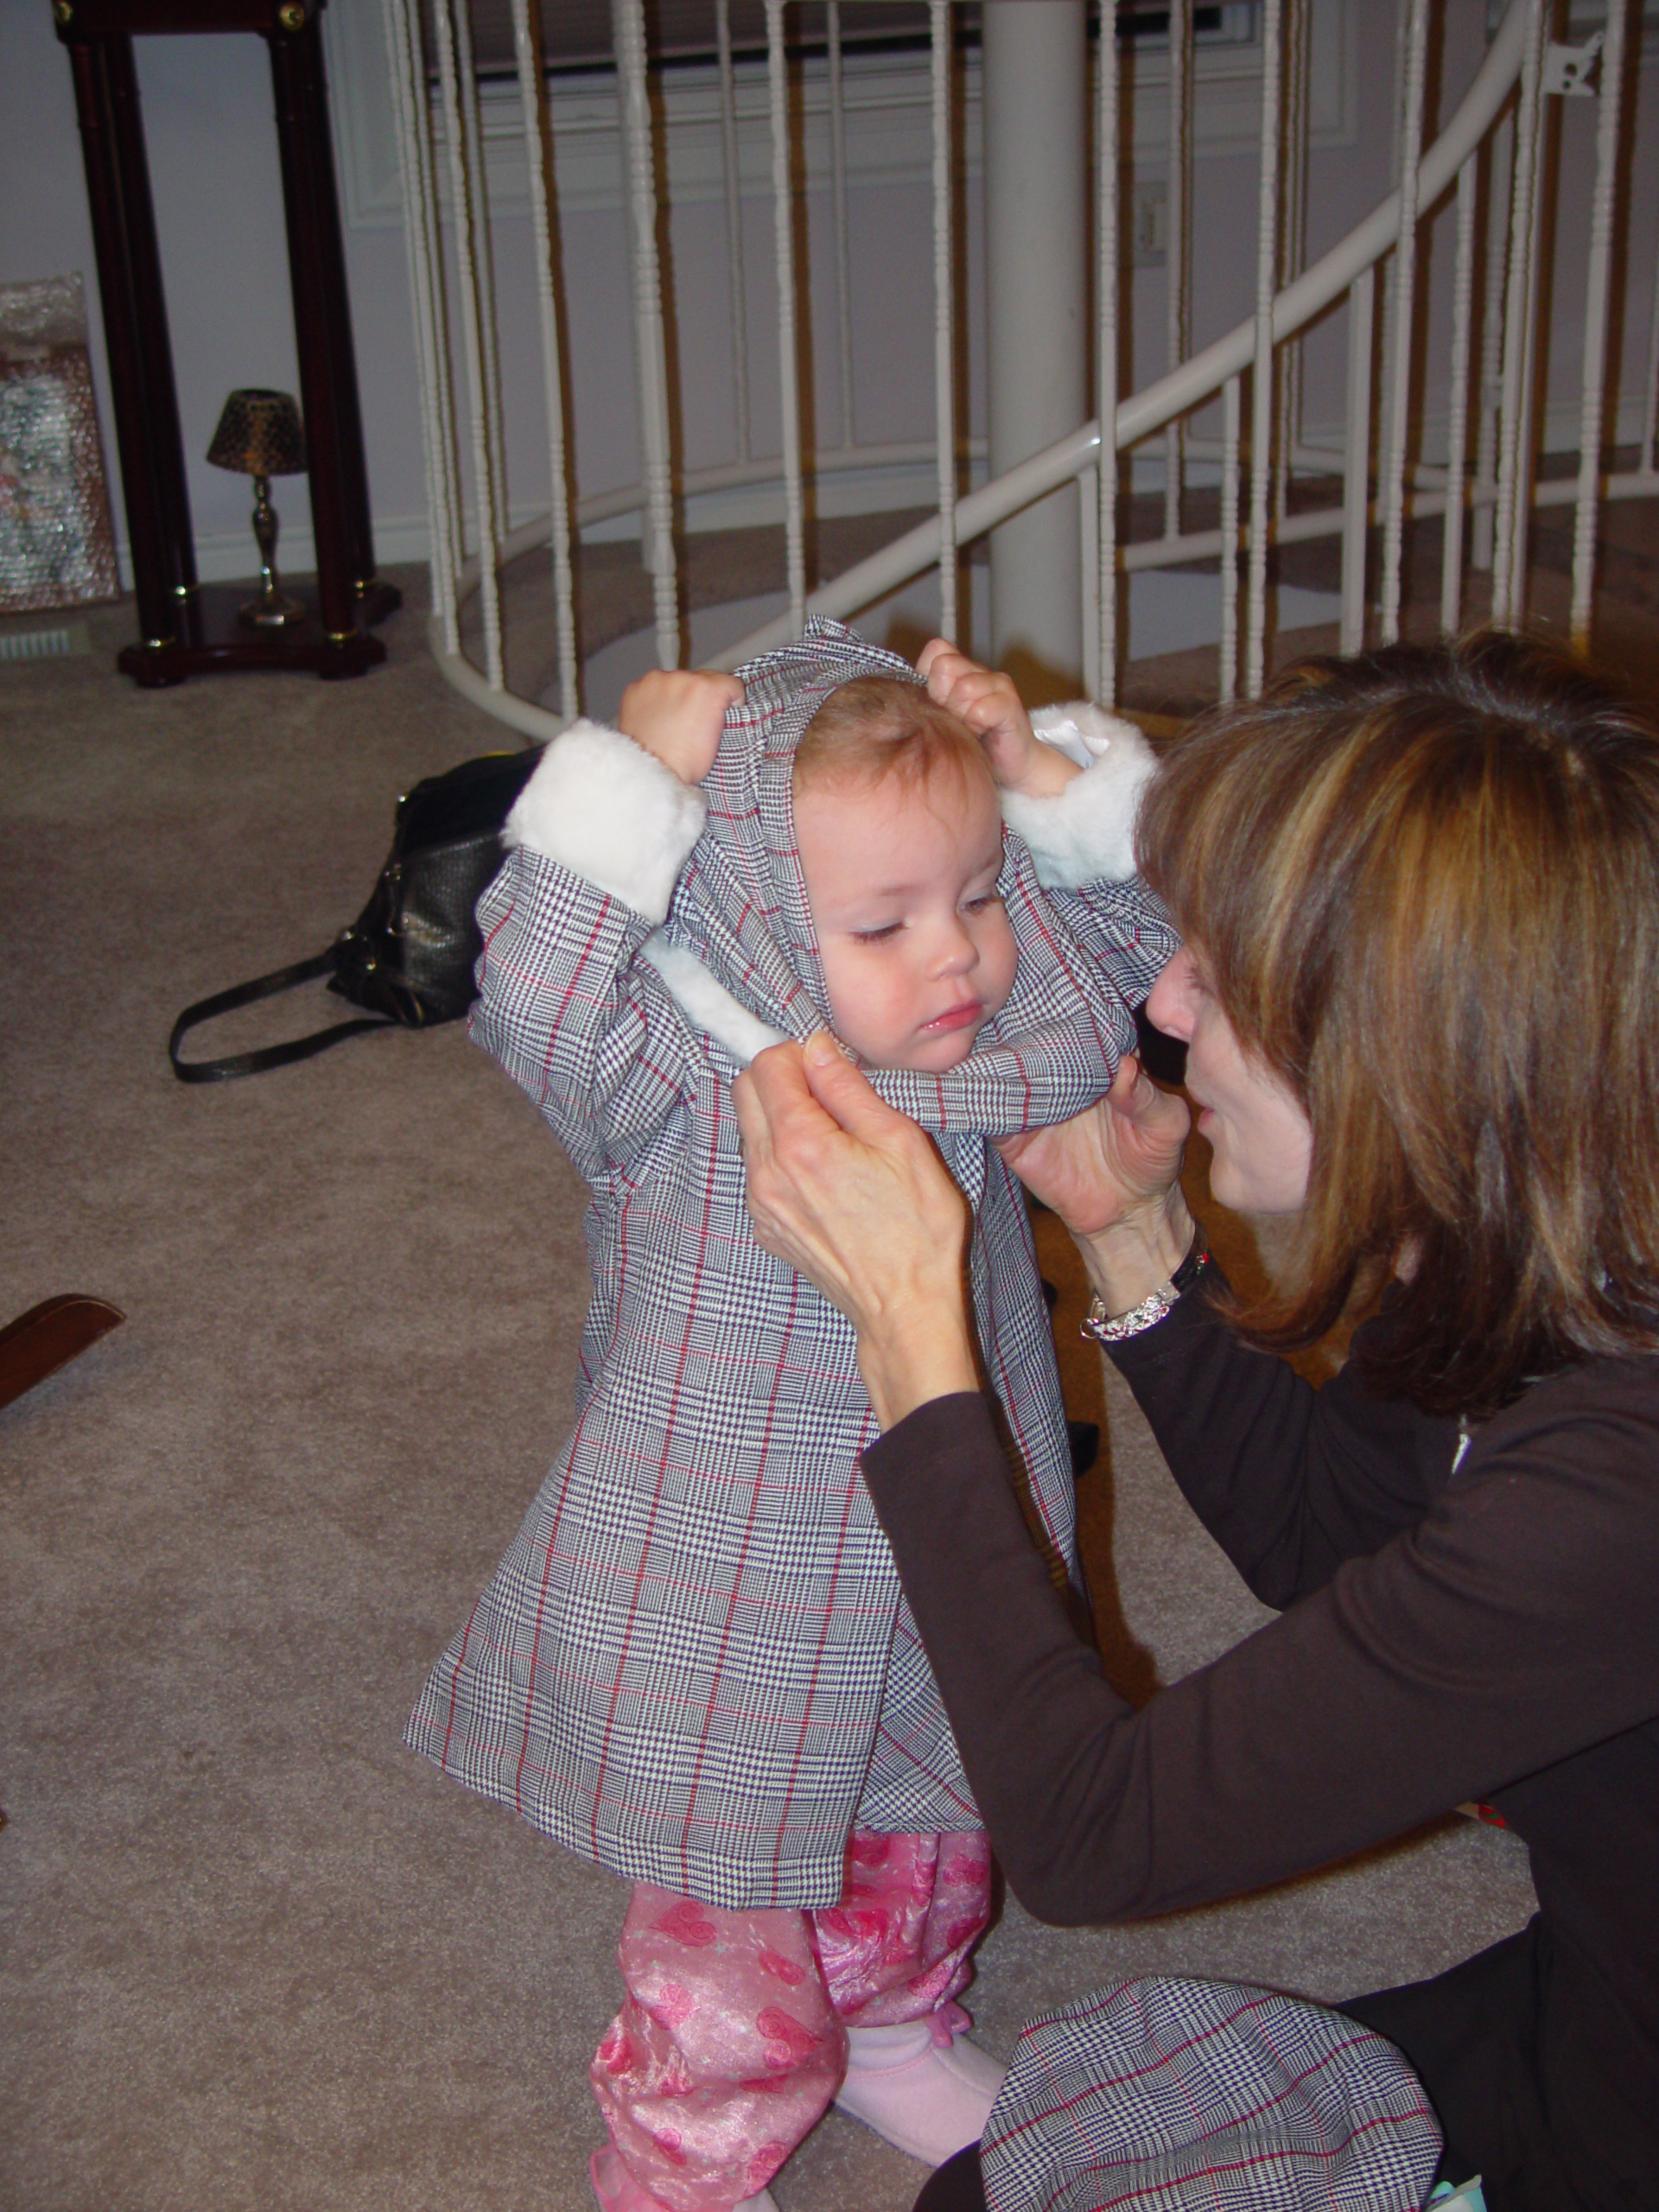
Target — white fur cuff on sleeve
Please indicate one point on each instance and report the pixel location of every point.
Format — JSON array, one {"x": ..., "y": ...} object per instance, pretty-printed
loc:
[
  {"x": 708, "y": 1005},
  {"x": 604, "y": 808},
  {"x": 1086, "y": 834}
]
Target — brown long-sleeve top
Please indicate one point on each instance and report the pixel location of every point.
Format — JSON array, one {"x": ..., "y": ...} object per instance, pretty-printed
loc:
[{"x": 1489, "y": 1633}]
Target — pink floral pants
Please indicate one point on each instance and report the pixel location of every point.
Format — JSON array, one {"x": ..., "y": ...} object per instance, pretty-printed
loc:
[{"x": 733, "y": 2037}]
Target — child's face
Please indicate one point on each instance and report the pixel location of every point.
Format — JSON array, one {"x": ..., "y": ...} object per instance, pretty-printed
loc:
[{"x": 917, "y": 948}]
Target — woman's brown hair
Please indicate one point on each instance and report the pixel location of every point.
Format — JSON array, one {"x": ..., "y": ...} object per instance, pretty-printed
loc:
[{"x": 1425, "y": 882}]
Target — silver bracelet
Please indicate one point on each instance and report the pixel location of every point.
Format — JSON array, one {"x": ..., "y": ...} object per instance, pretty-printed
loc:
[{"x": 1112, "y": 1328}]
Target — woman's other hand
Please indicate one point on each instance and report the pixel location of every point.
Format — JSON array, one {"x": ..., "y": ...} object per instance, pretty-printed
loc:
[
  {"x": 854, "y": 1196},
  {"x": 1113, "y": 1176},
  {"x": 986, "y": 700},
  {"x": 677, "y": 715}
]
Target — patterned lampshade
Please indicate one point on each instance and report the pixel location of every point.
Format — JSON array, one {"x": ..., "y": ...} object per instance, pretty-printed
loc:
[{"x": 260, "y": 434}]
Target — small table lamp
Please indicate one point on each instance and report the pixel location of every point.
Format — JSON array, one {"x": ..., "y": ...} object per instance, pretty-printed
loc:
[{"x": 260, "y": 434}]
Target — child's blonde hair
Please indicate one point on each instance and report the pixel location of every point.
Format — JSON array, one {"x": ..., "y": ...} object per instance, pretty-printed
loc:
[{"x": 881, "y": 726}]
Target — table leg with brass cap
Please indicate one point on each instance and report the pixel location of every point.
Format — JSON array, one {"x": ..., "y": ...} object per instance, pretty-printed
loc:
[{"x": 186, "y": 628}]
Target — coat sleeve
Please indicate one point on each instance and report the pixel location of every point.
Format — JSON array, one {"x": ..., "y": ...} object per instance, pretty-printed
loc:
[
  {"x": 1082, "y": 844},
  {"x": 1509, "y": 1628},
  {"x": 1290, "y": 1481},
  {"x": 595, "y": 845}
]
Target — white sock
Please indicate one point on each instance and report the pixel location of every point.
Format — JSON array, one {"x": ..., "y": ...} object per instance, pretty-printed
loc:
[{"x": 926, "y": 2098}]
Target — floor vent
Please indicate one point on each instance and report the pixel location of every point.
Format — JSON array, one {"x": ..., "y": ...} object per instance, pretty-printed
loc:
[{"x": 45, "y": 644}]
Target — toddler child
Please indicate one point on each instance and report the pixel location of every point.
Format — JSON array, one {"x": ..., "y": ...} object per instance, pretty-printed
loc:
[{"x": 694, "y": 1664}]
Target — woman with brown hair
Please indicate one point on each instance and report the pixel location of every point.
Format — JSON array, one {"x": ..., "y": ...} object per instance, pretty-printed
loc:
[{"x": 1419, "y": 892}]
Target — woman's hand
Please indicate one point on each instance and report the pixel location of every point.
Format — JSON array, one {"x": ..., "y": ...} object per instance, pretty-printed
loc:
[
  {"x": 1112, "y": 1173},
  {"x": 677, "y": 715},
  {"x": 854, "y": 1196},
  {"x": 986, "y": 700}
]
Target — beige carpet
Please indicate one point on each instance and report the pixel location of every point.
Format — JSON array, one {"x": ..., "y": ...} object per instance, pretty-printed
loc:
[{"x": 254, "y": 1953}]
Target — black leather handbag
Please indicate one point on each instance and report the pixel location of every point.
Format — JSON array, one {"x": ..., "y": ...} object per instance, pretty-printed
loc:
[{"x": 409, "y": 955}]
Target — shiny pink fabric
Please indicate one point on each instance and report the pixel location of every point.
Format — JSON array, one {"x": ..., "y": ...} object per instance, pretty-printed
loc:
[{"x": 733, "y": 2037}]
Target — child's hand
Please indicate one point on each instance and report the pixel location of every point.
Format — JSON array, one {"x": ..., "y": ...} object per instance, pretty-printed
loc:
[
  {"x": 986, "y": 700},
  {"x": 677, "y": 715}
]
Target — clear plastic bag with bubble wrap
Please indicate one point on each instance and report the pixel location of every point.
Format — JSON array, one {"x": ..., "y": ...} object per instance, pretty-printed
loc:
[{"x": 57, "y": 548}]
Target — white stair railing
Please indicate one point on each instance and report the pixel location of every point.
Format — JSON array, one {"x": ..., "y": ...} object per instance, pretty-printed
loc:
[{"x": 1497, "y": 129}]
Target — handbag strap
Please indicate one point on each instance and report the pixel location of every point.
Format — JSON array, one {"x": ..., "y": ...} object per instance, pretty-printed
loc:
[{"x": 269, "y": 1055}]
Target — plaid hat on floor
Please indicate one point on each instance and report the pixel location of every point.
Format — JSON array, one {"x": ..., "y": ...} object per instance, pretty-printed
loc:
[{"x": 1166, "y": 2095}]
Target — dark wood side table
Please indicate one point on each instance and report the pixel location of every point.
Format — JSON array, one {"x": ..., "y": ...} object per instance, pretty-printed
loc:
[{"x": 186, "y": 627}]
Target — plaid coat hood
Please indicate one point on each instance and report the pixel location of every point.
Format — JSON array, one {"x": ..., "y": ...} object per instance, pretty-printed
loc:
[
  {"x": 694, "y": 1663},
  {"x": 741, "y": 911}
]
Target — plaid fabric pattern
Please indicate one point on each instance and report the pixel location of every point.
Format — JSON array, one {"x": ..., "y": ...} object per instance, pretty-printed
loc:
[
  {"x": 1162, "y": 2096},
  {"x": 693, "y": 1663}
]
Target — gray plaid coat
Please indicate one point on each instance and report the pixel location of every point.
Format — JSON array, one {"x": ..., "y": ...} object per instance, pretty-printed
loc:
[{"x": 694, "y": 1664}]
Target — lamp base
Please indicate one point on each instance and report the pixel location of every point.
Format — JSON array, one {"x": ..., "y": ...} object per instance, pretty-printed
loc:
[{"x": 271, "y": 610}]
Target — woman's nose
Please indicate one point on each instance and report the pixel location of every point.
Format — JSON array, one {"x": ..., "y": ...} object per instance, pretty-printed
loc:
[{"x": 1169, "y": 1001}]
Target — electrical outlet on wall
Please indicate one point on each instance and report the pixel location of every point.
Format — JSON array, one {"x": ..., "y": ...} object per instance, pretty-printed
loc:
[{"x": 1149, "y": 224}]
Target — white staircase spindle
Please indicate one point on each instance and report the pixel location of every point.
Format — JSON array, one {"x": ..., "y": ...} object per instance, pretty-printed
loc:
[
  {"x": 1390, "y": 267},
  {"x": 1595, "y": 324},
  {"x": 1177, "y": 257},
  {"x": 1411, "y": 148},
  {"x": 1527, "y": 415},
  {"x": 1357, "y": 469},
  {"x": 734, "y": 227},
  {"x": 1261, "y": 374},
  {"x": 469, "y": 217},
  {"x": 538, "y": 162},
  {"x": 421, "y": 238},
  {"x": 478, "y": 190},
  {"x": 1513, "y": 430},
  {"x": 1297, "y": 48},
  {"x": 1227, "y": 670},
  {"x": 788, "y": 372},
  {"x": 628, "y": 25},
  {"x": 1088, "y": 544},
  {"x": 1463, "y": 292},
  {"x": 1500, "y": 151},
  {"x": 1106, "y": 130},
  {"x": 838, "y": 180},
  {"x": 944, "y": 318}
]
